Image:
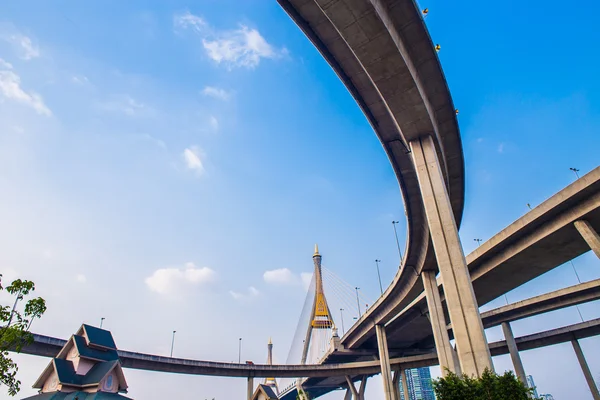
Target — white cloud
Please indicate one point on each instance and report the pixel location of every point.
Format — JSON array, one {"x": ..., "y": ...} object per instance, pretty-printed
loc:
[
  {"x": 242, "y": 47},
  {"x": 252, "y": 292},
  {"x": 501, "y": 148},
  {"x": 217, "y": 93},
  {"x": 10, "y": 88},
  {"x": 171, "y": 280},
  {"x": 189, "y": 20},
  {"x": 191, "y": 156},
  {"x": 81, "y": 278},
  {"x": 283, "y": 276},
  {"x": 5, "y": 64},
  {"x": 280, "y": 276},
  {"x": 213, "y": 122},
  {"x": 26, "y": 47}
]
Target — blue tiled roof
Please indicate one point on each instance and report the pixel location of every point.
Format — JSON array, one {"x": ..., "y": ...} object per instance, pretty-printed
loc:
[
  {"x": 95, "y": 354},
  {"x": 99, "y": 337},
  {"x": 67, "y": 376}
]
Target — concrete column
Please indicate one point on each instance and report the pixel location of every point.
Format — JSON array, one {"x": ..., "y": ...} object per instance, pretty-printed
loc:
[
  {"x": 404, "y": 385},
  {"x": 362, "y": 388},
  {"x": 351, "y": 388},
  {"x": 586, "y": 370},
  {"x": 589, "y": 235},
  {"x": 438, "y": 323},
  {"x": 514, "y": 352},
  {"x": 473, "y": 352},
  {"x": 250, "y": 387},
  {"x": 348, "y": 395},
  {"x": 384, "y": 359}
]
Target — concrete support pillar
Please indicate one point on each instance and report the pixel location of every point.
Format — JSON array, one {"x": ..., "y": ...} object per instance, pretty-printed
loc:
[
  {"x": 351, "y": 388},
  {"x": 473, "y": 352},
  {"x": 438, "y": 323},
  {"x": 362, "y": 388},
  {"x": 250, "y": 387},
  {"x": 384, "y": 360},
  {"x": 404, "y": 385},
  {"x": 348, "y": 395},
  {"x": 514, "y": 352},
  {"x": 586, "y": 370},
  {"x": 589, "y": 235}
]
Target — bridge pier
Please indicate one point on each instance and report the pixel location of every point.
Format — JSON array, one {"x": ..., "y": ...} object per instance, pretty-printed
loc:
[
  {"x": 514, "y": 352},
  {"x": 384, "y": 360},
  {"x": 473, "y": 352},
  {"x": 586, "y": 369},
  {"x": 590, "y": 235},
  {"x": 437, "y": 319},
  {"x": 250, "y": 388},
  {"x": 351, "y": 392}
]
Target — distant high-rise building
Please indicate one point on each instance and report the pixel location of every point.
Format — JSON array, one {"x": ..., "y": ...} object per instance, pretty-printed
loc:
[
  {"x": 531, "y": 384},
  {"x": 419, "y": 385}
]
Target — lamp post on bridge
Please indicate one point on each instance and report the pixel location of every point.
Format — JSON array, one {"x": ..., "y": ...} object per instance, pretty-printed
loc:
[
  {"x": 357, "y": 301},
  {"x": 342, "y": 316},
  {"x": 240, "y": 351},
  {"x": 101, "y": 321},
  {"x": 478, "y": 242},
  {"x": 172, "y": 343},
  {"x": 576, "y": 172},
  {"x": 379, "y": 275},
  {"x": 397, "y": 242}
]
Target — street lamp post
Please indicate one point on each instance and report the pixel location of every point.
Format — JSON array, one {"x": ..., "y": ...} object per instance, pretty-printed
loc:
[
  {"x": 172, "y": 343},
  {"x": 357, "y": 301},
  {"x": 101, "y": 321},
  {"x": 342, "y": 315},
  {"x": 379, "y": 275},
  {"x": 576, "y": 172},
  {"x": 478, "y": 242},
  {"x": 397, "y": 242},
  {"x": 240, "y": 351}
]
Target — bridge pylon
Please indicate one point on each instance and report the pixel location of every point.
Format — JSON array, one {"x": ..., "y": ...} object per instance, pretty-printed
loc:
[{"x": 320, "y": 318}]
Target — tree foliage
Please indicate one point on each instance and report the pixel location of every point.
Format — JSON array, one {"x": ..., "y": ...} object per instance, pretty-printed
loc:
[
  {"x": 15, "y": 321},
  {"x": 490, "y": 386}
]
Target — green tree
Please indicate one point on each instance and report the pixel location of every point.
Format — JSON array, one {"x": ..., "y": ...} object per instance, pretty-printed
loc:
[
  {"x": 15, "y": 321},
  {"x": 490, "y": 386}
]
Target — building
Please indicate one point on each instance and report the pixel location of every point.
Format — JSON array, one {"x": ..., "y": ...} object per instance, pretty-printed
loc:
[
  {"x": 546, "y": 397},
  {"x": 419, "y": 385},
  {"x": 86, "y": 368},
  {"x": 531, "y": 384}
]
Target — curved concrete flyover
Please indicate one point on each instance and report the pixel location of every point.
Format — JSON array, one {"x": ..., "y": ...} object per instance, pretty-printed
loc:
[
  {"x": 534, "y": 244},
  {"x": 383, "y": 54},
  {"x": 551, "y": 337},
  {"x": 567, "y": 297},
  {"x": 49, "y": 347}
]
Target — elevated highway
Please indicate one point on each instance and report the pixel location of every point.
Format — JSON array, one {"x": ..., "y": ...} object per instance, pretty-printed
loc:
[{"x": 49, "y": 347}]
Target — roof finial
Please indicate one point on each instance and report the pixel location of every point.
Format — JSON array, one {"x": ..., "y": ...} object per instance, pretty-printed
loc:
[
  {"x": 270, "y": 341},
  {"x": 316, "y": 250}
]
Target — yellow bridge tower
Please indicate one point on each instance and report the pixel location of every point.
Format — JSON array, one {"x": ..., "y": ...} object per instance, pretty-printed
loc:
[{"x": 320, "y": 315}]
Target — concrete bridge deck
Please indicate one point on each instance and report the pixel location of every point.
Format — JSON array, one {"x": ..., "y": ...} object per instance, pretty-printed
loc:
[{"x": 49, "y": 347}]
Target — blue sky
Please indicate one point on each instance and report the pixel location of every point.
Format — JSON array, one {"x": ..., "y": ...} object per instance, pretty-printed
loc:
[{"x": 159, "y": 158}]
